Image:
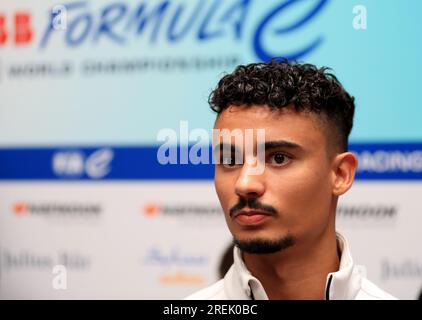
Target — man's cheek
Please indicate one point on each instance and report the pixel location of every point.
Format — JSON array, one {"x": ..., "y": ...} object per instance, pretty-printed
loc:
[{"x": 221, "y": 197}]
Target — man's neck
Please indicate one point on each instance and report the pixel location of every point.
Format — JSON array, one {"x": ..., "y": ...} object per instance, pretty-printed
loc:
[{"x": 299, "y": 272}]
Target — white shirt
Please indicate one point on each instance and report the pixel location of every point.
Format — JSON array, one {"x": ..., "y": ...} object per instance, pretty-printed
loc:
[{"x": 348, "y": 283}]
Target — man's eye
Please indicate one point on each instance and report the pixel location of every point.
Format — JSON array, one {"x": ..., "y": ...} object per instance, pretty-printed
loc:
[
  {"x": 229, "y": 161},
  {"x": 279, "y": 159}
]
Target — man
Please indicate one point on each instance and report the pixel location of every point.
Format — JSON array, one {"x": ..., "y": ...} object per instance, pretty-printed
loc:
[{"x": 283, "y": 218}]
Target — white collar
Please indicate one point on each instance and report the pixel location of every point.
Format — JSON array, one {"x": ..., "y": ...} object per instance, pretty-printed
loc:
[{"x": 240, "y": 283}]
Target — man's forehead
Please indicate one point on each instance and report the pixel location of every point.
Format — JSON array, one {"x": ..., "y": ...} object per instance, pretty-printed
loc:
[
  {"x": 262, "y": 115},
  {"x": 245, "y": 112},
  {"x": 284, "y": 124}
]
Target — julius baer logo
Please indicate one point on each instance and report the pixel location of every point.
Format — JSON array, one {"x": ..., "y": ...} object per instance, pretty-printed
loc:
[
  {"x": 52, "y": 267},
  {"x": 122, "y": 22}
]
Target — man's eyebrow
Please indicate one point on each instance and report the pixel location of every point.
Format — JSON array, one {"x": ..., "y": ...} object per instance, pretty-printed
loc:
[
  {"x": 225, "y": 146},
  {"x": 281, "y": 144},
  {"x": 269, "y": 145}
]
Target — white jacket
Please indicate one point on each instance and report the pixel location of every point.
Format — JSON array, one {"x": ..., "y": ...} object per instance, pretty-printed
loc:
[{"x": 347, "y": 283}]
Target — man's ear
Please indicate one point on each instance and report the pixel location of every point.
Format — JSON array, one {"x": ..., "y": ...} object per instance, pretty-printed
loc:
[{"x": 344, "y": 168}]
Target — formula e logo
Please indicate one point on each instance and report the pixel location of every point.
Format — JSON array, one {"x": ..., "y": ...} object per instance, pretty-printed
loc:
[
  {"x": 173, "y": 21},
  {"x": 74, "y": 164}
]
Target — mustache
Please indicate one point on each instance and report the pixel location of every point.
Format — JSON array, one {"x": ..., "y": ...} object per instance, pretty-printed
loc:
[{"x": 252, "y": 203}]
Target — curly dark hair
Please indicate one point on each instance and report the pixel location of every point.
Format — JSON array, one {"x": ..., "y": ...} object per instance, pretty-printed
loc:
[{"x": 280, "y": 84}]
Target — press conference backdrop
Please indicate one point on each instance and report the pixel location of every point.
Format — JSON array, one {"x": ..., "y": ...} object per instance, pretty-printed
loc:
[{"x": 87, "y": 211}]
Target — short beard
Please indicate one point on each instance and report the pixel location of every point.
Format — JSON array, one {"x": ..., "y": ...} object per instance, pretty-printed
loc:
[{"x": 264, "y": 246}]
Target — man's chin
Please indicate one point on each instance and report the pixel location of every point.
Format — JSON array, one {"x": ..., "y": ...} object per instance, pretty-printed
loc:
[{"x": 264, "y": 246}]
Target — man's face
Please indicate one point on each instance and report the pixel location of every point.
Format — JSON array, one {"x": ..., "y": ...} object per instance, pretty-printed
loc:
[{"x": 292, "y": 198}]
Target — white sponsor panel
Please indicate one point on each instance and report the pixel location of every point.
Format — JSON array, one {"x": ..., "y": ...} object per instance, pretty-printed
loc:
[{"x": 165, "y": 240}]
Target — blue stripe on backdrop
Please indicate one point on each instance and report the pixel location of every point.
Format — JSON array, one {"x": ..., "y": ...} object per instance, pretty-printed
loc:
[{"x": 377, "y": 161}]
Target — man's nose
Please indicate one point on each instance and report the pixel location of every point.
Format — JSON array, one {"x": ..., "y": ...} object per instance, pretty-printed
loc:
[{"x": 249, "y": 184}]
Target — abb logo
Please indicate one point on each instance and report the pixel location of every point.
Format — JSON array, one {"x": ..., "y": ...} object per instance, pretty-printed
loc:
[{"x": 16, "y": 29}]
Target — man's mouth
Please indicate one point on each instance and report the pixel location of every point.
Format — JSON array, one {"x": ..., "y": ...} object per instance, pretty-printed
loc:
[{"x": 251, "y": 217}]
